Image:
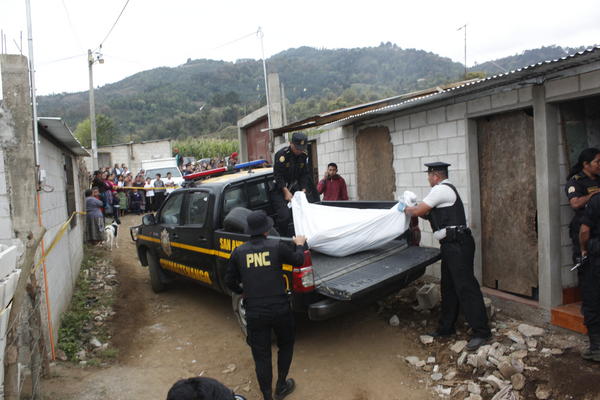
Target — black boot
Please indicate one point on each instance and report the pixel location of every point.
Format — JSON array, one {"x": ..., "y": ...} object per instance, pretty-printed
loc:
[
  {"x": 593, "y": 352},
  {"x": 284, "y": 388}
]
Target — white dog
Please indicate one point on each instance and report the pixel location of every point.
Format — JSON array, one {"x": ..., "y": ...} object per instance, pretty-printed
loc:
[{"x": 111, "y": 231}]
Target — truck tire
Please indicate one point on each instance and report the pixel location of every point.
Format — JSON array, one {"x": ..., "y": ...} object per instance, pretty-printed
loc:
[
  {"x": 157, "y": 278},
  {"x": 240, "y": 312}
]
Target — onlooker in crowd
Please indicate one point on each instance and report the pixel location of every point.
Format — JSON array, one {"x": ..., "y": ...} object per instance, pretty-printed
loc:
[
  {"x": 128, "y": 180},
  {"x": 139, "y": 183},
  {"x": 107, "y": 194},
  {"x": 188, "y": 169},
  {"x": 116, "y": 170},
  {"x": 122, "y": 201},
  {"x": 233, "y": 159},
  {"x": 125, "y": 170},
  {"x": 201, "y": 389},
  {"x": 178, "y": 158},
  {"x": 332, "y": 186},
  {"x": 135, "y": 204},
  {"x": 120, "y": 181},
  {"x": 170, "y": 183},
  {"x": 159, "y": 192},
  {"x": 94, "y": 216},
  {"x": 149, "y": 195},
  {"x": 142, "y": 173}
]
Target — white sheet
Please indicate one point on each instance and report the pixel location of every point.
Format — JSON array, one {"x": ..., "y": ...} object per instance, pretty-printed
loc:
[{"x": 340, "y": 231}]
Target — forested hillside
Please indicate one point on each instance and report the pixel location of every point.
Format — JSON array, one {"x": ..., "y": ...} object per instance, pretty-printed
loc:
[{"x": 203, "y": 97}]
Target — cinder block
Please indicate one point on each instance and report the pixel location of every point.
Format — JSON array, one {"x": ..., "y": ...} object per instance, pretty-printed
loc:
[
  {"x": 436, "y": 115},
  {"x": 1, "y": 161},
  {"x": 461, "y": 127},
  {"x": 2, "y": 183},
  {"x": 446, "y": 130},
  {"x": 525, "y": 94},
  {"x": 419, "y": 149},
  {"x": 428, "y": 296},
  {"x": 407, "y": 165},
  {"x": 402, "y": 151},
  {"x": 397, "y": 138},
  {"x": 462, "y": 161},
  {"x": 504, "y": 99},
  {"x": 456, "y": 111},
  {"x": 590, "y": 80},
  {"x": 338, "y": 145},
  {"x": 402, "y": 122},
  {"x": 418, "y": 120},
  {"x": 456, "y": 145},
  {"x": 8, "y": 260},
  {"x": 4, "y": 206},
  {"x": 480, "y": 104},
  {"x": 428, "y": 132},
  {"x": 404, "y": 179},
  {"x": 411, "y": 136},
  {"x": 558, "y": 87},
  {"x": 438, "y": 147}
]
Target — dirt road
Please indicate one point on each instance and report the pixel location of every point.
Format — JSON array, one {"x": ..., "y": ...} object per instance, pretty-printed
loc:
[{"x": 191, "y": 330}]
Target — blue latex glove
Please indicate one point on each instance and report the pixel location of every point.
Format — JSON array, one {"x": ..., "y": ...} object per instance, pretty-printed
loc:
[{"x": 401, "y": 206}]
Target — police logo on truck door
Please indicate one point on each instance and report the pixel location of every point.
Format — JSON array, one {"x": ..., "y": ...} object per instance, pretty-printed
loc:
[{"x": 165, "y": 242}]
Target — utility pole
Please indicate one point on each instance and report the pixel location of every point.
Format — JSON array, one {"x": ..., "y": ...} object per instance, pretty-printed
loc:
[
  {"x": 33, "y": 98},
  {"x": 260, "y": 34},
  {"x": 465, "y": 29},
  {"x": 91, "y": 61}
]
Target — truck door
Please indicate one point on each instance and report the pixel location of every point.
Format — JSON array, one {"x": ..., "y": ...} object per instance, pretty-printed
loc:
[
  {"x": 194, "y": 233},
  {"x": 168, "y": 220}
]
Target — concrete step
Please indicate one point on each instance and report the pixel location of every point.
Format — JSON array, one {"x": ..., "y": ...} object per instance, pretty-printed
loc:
[{"x": 569, "y": 316}]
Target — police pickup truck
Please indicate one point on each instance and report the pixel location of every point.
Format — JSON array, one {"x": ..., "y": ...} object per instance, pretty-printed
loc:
[{"x": 198, "y": 226}]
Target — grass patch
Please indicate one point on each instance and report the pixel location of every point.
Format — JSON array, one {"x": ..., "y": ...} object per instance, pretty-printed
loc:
[{"x": 90, "y": 309}]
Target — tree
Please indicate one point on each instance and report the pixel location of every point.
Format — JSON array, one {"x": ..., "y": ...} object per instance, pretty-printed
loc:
[{"x": 106, "y": 133}]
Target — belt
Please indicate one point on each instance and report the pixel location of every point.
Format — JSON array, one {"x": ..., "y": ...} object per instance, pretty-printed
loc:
[{"x": 455, "y": 233}]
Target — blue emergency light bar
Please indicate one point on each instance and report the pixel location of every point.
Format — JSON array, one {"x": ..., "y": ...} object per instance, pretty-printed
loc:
[{"x": 249, "y": 164}]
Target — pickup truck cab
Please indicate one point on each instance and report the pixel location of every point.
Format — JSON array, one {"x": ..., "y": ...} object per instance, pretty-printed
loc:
[{"x": 191, "y": 235}]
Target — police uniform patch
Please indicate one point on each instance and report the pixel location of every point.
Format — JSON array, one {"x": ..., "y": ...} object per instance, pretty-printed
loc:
[
  {"x": 571, "y": 189},
  {"x": 281, "y": 159}
]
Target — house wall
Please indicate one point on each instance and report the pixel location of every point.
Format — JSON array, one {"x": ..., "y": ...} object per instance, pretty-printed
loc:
[
  {"x": 132, "y": 154},
  {"x": 447, "y": 131},
  {"x": 6, "y": 229},
  {"x": 63, "y": 263}
]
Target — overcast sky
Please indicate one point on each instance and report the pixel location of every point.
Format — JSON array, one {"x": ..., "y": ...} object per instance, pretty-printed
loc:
[{"x": 153, "y": 33}]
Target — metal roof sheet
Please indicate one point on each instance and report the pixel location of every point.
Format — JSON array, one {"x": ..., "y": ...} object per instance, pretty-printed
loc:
[{"x": 56, "y": 128}]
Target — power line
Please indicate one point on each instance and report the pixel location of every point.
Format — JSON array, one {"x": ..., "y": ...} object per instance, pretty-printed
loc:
[
  {"x": 63, "y": 59},
  {"x": 71, "y": 26},
  {"x": 235, "y": 40},
  {"x": 115, "y": 24}
]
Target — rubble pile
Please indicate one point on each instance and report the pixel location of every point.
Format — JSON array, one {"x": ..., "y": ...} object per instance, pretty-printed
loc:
[{"x": 502, "y": 369}]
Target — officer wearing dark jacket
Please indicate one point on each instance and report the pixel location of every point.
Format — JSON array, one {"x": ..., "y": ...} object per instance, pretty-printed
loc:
[
  {"x": 257, "y": 265},
  {"x": 589, "y": 276},
  {"x": 444, "y": 209},
  {"x": 291, "y": 174},
  {"x": 582, "y": 184}
]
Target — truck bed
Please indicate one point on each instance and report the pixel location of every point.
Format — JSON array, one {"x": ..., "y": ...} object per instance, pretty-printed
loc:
[{"x": 351, "y": 277}]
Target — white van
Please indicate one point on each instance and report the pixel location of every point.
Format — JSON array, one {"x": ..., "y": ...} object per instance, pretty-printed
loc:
[{"x": 162, "y": 166}]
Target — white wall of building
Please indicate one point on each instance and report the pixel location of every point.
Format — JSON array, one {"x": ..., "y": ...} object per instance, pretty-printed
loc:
[{"x": 132, "y": 154}]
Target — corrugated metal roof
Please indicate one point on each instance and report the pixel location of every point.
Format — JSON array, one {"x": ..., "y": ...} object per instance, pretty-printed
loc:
[
  {"x": 361, "y": 112},
  {"x": 56, "y": 128}
]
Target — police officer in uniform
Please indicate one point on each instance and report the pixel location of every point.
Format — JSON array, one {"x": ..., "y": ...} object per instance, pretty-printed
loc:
[
  {"x": 582, "y": 184},
  {"x": 444, "y": 209},
  {"x": 291, "y": 174},
  {"x": 589, "y": 275},
  {"x": 257, "y": 265}
]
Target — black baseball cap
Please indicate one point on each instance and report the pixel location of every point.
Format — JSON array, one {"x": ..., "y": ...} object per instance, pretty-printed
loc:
[
  {"x": 299, "y": 139},
  {"x": 437, "y": 166}
]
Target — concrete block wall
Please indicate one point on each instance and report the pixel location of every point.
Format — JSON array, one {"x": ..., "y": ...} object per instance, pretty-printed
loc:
[
  {"x": 339, "y": 146},
  {"x": 6, "y": 230},
  {"x": 568, "y": 278},
  {"x": 64, "y": 262},
  {"x": 121, "y": 154}
]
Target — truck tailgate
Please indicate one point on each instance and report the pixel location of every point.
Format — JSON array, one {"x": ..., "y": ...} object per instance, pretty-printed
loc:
[{"x": 370, "y": 273}]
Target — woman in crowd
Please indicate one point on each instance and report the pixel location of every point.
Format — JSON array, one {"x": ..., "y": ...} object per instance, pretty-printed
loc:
[
  {"x": 159, "y": 192},
  {"x": 94, "y": 216}
]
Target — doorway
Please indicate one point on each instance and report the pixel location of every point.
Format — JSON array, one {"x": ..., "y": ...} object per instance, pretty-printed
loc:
[
  {"x": 375, "y": 172},
  {"x": 509, "y": 241}
]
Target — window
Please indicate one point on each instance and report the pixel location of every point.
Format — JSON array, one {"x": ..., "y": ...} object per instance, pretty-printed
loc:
[
  {"x": 198, "y": 208},
  {"x": 258, "y": 195},
  {"x": 170, "y": 213},
  {"x": 234, "y": 197},
  {"x": 70, "y": 189}
]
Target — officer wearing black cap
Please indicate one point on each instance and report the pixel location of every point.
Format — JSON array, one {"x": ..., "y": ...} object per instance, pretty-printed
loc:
[
  {"x": 257, "y": 265},
  {"x": 444, "y": 209},
  {"x": 291, "y": 174}
]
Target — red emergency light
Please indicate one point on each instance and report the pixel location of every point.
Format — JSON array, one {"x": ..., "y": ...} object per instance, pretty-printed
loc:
[{"x": 200, "y": 174}]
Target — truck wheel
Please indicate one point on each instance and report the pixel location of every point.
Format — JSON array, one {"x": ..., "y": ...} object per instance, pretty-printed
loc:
[
  {"x": 157, "y": 279},
  {"x": 240, "y": 312}
]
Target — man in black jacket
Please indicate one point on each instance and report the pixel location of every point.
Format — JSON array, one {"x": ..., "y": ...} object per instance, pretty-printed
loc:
[{"x": 258, "y": 266}]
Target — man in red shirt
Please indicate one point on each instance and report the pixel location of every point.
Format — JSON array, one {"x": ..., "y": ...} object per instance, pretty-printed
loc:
[{"x": 332, "y": 185}]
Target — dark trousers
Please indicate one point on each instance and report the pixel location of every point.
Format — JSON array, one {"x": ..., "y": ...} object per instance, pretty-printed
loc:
[
  {"x": 159, "y": 198},
  {"x": 283, "y": 213},
  {"x": 259, "y": 339},
  {"x": 460, "y": 289},
  {"x": 589, "y": 283}
]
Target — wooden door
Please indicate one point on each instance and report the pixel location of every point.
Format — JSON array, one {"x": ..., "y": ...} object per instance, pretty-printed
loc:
[
  {"x": 374, "y": 163},
  {"x": 257, "y": 139},
  {"x": 508, "y": 202}
]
